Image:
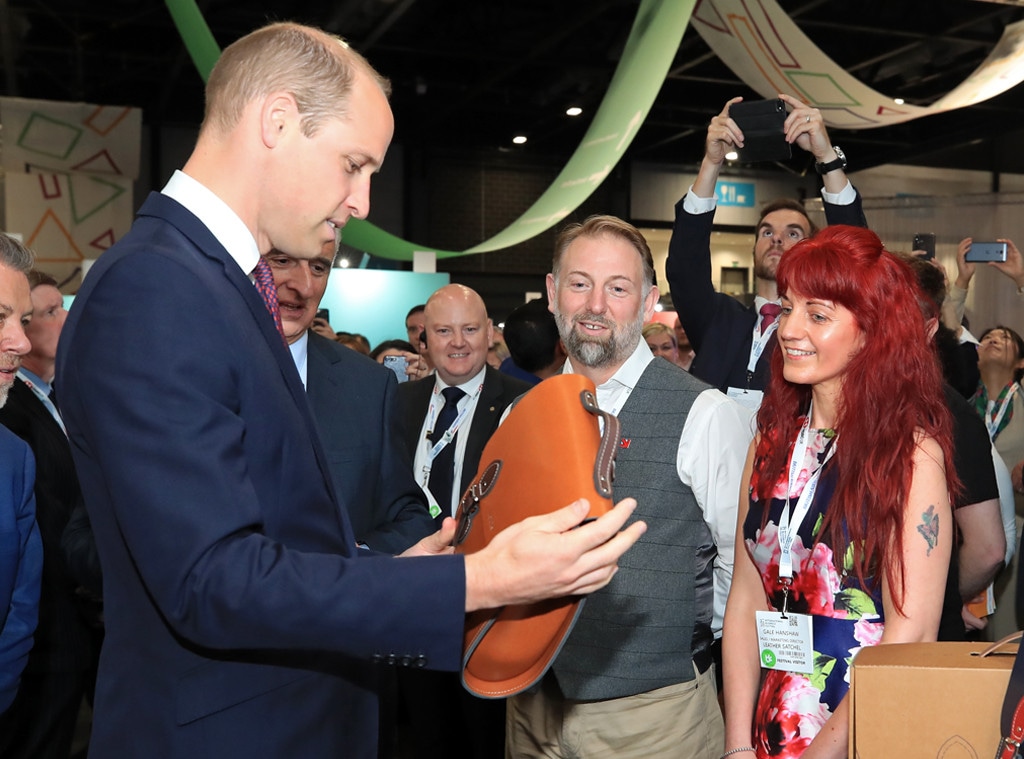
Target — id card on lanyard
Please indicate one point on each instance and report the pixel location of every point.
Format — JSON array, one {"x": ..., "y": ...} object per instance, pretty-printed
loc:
[
  {"x": 785, "y": 639},
  {"x": 446, "y": 439}
]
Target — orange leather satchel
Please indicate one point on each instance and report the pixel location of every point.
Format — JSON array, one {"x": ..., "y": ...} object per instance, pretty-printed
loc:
[{"x": 550, "y": 451}]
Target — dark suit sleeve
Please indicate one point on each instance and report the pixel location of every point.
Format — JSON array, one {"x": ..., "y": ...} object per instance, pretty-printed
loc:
[
  {"x": 688, "y": 270},
  {"x": 197, "y": 463},
  {"x": 79, "y": 548},
  {"x": 21, "y": 566},
  {"x": 403, "y": 515},
  {"x": 852, "y": 214}
]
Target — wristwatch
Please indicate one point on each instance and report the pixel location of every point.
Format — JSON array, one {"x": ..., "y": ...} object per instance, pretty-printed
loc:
[{"x": 838, "y": 163}]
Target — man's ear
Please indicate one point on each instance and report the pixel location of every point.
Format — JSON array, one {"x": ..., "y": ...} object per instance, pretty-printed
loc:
[
  {"x": 278, "y": 113},
  {"x": 650, "y": 301},
  {"x": 931, "y": 326},
  {"x": 550, "y": 282}
]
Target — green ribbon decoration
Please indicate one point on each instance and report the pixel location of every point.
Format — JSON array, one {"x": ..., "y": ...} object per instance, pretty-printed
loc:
[{"x": 650, "y": 49}]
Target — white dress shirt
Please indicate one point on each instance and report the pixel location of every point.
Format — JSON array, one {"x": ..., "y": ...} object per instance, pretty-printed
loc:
[
  {"x": 421, "y": 462},
  {"x": 712, "y": 452}
]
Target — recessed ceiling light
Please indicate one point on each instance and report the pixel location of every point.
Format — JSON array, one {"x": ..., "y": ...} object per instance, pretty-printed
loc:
[
  {"x": 574, "y": 111},
  {"x": 343, "y": 263},
  {"x": 732, "y": 155},
  {"x": 519, "y": 139},
  {"x": 898, "y": 101}
]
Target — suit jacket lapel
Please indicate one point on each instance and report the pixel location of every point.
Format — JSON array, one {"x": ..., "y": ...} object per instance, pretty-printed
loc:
[
  {"x": 207, "y": 245},
  {"x": 485, "y": 420}
]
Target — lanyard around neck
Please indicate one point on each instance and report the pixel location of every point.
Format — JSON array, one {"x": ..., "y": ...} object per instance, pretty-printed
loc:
[{"x": 792, "y": 517}]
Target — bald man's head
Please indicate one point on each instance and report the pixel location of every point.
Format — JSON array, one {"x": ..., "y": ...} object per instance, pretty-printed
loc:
[{"x": 458, "y": 333}]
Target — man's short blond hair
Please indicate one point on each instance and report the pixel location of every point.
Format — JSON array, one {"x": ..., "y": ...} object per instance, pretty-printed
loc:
[{"x": 316, "y": 68}]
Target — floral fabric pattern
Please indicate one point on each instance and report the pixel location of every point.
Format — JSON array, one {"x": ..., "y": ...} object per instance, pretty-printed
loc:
[{"x": 793, "y": 707}]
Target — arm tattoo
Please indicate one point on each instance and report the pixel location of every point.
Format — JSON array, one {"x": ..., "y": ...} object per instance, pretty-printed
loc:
[{"x": 929, "y": 528}]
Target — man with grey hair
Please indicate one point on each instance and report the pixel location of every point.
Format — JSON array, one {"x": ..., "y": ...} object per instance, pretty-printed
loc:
[
  {"x": 635, "y": 677},
  {"x": 21, "y": 550}
]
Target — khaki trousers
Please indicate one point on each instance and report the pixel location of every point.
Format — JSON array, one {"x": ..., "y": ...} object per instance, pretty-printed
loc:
[{"x": 681, "y": 721}]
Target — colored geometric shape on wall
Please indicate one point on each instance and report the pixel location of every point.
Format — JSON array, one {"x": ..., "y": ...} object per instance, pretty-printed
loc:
[
  {"x": 100, "y": 162},
  {"x": 89, "y": 194},
  {"x": 708, "y": 15},
  {"x": 50, "y": 227},
  {"x": 49, "y": 186},
  {"x": 103, "y": 120},
  {"x": 104, "y": 241},
  {"x": 48, "y": 136},
  {"x": 822, "y": 90}
]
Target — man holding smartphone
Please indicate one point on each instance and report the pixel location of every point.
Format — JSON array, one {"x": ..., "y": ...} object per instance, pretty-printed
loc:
[{"x": 733, "y": 342}]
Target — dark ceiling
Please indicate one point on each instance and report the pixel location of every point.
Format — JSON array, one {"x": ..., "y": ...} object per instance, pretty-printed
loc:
[{"x": 468, "y": 73}]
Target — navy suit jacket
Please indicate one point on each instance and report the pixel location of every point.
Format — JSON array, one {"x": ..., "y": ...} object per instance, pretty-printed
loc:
[
  {"x": 498, "y": 392},
  {"x": 241, "y": 619},
  {"x": 721, "y": 328},
  {"x": 21, "y": 562},
  {"x": 353, "y": 401}
]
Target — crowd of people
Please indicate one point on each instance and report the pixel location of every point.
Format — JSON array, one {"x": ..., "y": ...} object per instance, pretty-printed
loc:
[{"x": 255, "y": 521}]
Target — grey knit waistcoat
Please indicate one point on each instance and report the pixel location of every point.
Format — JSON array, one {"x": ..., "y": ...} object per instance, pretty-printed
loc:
[{"x": 637, "y": 633}]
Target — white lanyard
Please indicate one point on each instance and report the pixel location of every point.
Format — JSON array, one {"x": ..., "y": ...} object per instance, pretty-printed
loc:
[
  {"x": 993, "y": 424},
  {"x": 790, "y": 525},
  {"x": 45, "y": 401},
  {"x": 759, "y": 342},
  {"x": 449, "y": 434}
]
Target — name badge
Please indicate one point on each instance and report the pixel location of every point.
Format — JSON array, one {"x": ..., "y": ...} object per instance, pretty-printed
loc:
[
  {"x": 750, "y": 399},
  {"x": 785, "y": 642}
]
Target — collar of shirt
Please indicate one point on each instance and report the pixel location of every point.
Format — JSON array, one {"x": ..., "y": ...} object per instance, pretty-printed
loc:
[
  {"x": 612, "y": 395},
  {"x": 468, "y": 387},
  {"x": 42, "y": 385},
  {"x": 300, "y": 353},
  {"x": 218, "y": 217}
]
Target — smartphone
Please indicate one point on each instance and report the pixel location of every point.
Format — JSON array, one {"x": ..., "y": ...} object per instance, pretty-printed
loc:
[
  {"x": 925, "y": 241},
  {"x": 398, "y": 364},
  {"x": 324, "y": 314},
  {"x": 764, "y": 135},
  {"x": 981, "y": 252}
]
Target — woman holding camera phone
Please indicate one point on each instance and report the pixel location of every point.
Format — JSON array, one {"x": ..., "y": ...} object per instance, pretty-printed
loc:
[{"x": 845, "y": 511}]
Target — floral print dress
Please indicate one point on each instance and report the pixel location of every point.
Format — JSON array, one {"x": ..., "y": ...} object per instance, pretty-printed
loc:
[{"x": 793, "y": 707}]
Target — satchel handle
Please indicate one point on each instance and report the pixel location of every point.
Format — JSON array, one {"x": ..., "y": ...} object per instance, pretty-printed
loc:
[{"x": 604, "y": 465}]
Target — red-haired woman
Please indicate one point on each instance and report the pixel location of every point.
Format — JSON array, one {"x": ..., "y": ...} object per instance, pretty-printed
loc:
[{"x": 847, "y": 528}]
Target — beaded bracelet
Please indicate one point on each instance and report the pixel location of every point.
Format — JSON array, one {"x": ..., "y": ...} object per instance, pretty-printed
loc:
[{"x": 732, "y": 751}]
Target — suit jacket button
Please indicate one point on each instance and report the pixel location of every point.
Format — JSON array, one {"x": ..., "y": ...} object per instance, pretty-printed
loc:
[
  {"x": 420, "y": 661},
  {"x": 390, "y": 659},
  {"x": 375, "y": 658},
  {"x": 405, "y": 661}
]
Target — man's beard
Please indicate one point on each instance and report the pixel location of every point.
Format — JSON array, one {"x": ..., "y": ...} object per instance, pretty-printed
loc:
[
  {"x": 762, "y": 270},
  {"x": 621, "y": 342},
  {"x": 5, "y": 389}
]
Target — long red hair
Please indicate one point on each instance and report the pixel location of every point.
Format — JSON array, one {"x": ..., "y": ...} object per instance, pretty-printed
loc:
[{"x": 891, "y": 393}]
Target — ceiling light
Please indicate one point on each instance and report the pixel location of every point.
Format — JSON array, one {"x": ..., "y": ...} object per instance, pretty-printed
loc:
[
  {"x": 658, "y": 307},
  {"x": 343, "y": 263},
  {"x": 519, "y": 139},
  {"x": 574, "y": 111},
  {"x": 732, "y": 155},
  {"x": 898, "y": 101}
]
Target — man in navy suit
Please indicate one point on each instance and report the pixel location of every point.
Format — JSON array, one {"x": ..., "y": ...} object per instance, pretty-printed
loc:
[
  {"x": 21, "y": 550},
  {"x": 241, "y": 618},
  {"x": 733, "y": 342},
  {"x": 353, "y": 403}
]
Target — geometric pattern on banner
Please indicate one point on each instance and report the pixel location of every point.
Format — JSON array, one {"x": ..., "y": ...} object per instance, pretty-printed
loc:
[
  {"x": 89, "y": 194},
  {"x": 100, "y": 162},
  {"x": 770, "y": 54},
  {"x": 45, "y": 238},
  {"x": 58, "y": 136},
  {"x": 47, "y": 136}
]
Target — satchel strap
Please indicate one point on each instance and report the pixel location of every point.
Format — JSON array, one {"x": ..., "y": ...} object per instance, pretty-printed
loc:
[{"x": 1009, "y": 746}]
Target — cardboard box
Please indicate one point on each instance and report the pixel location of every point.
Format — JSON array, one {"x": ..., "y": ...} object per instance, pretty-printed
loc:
[{"x": 927, "y": 700}]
